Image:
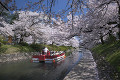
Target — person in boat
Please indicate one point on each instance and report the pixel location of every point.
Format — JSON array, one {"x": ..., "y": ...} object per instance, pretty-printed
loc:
[{"x": 46, "y": 51}]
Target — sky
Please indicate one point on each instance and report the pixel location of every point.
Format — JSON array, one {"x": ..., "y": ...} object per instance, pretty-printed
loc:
[{"x": 60, "y": 4}]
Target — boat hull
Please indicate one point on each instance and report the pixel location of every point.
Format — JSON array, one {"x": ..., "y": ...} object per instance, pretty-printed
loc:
[{"x": 48, "y": 58}]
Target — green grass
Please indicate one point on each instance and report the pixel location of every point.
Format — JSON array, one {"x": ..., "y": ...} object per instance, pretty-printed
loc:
[
  {"x": 11, "y": 49},
  {"x": 111, "y": 52}
]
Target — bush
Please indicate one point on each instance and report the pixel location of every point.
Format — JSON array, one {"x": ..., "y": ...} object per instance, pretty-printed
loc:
[
  {"x": 58, "y": 48},
  {"x": 2, "y": 40},
  {"x": 24, "y": 44},
  {"x": 24, "y": 47},
  {"x": 37, "y": 47},
  {"x": 111, "y": 39}
]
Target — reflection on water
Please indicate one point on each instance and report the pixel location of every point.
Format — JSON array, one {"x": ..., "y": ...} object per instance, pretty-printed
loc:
[{"x": 24, "y": 70}]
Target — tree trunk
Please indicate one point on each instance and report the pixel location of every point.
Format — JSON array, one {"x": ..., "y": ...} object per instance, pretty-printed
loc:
[
  {"x": 119, "y": 32},
  {"x": 21, "y": 39},
  {"x": 118, "y": 18},
  {"x": 110, "y": 33},
  {"x": 34, "y": 40},
  {"x": 119, "y": 23},
  {"x": 101, "y": 38},
  {"x": 0, "y": 44}
]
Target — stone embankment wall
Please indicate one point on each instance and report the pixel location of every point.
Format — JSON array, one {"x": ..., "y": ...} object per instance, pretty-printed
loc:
[{"x": 16, "y": 56}]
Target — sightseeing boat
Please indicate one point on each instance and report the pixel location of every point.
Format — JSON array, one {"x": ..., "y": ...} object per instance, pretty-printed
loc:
[{"x": 50, "y": 57}]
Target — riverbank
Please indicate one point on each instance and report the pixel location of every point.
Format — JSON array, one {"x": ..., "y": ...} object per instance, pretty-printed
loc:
[
  {"x": 15, "y": 57},
  {"x": 107, "y": 57},
  {"x": 105, "y": 70},
  {"x": 25, "y": 51},
  {"x": 21, "y": 56},
  {"x": 27, "y": 48},
  {"x": 85, "y": 69}
]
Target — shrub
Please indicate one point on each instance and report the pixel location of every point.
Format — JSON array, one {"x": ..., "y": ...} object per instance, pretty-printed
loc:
[
  {"x": 2, "y": 40},
  {"x": 24, "y": 44},
  {"x": 111, "y": 39},
  {"x": 37, "y": 47}
]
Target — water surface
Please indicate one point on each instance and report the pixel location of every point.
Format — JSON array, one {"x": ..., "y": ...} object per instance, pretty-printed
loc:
[{"x": 25, "y": 70}]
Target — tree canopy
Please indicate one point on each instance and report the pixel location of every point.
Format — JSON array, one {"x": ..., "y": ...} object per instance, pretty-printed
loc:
[{"x": 96, "y": 21}]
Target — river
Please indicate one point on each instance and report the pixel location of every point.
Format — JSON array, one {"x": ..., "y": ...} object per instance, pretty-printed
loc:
[{"x": 25, "y": 70}]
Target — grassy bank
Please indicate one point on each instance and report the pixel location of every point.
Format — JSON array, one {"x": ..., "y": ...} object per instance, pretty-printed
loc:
[
  {"x": 111, "y": 53},
  {"x": 10, "y": 49}
]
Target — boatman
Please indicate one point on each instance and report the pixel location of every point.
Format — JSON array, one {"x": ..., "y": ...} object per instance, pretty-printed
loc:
[{"x": 45, "y": 50}]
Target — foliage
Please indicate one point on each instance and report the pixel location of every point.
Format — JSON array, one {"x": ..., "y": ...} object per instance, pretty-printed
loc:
[
  {"x": 111, "y": 38},
  {"x": 24, "y": 47},
  {"x": 2, "y": 40},
  {"x": 13, "y": 17},
  {"x": 24, "y": 44},
  {"x": 10, "y": 49},
  {"x": 3, "y": 13},
  {"x": 58, "y": 48},
  {"x": 37, "y": 47},
  {"x": 93, "y": 24},
  {"x": 31, "y": 25},
  {"x": 9, "y": 17},
  {"x": 111, "y": 52}
]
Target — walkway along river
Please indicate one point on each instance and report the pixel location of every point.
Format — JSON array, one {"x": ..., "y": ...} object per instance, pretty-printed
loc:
[
  {"x": 25, "y": 70},
  {"x": 85, "y": 69}
]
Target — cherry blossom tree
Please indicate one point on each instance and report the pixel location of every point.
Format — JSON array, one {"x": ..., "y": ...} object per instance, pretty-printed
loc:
[{"x": 99, "y": 21}]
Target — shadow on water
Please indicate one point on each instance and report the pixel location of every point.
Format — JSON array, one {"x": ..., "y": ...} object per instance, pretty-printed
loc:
[{"x": 24, "y": 70}]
